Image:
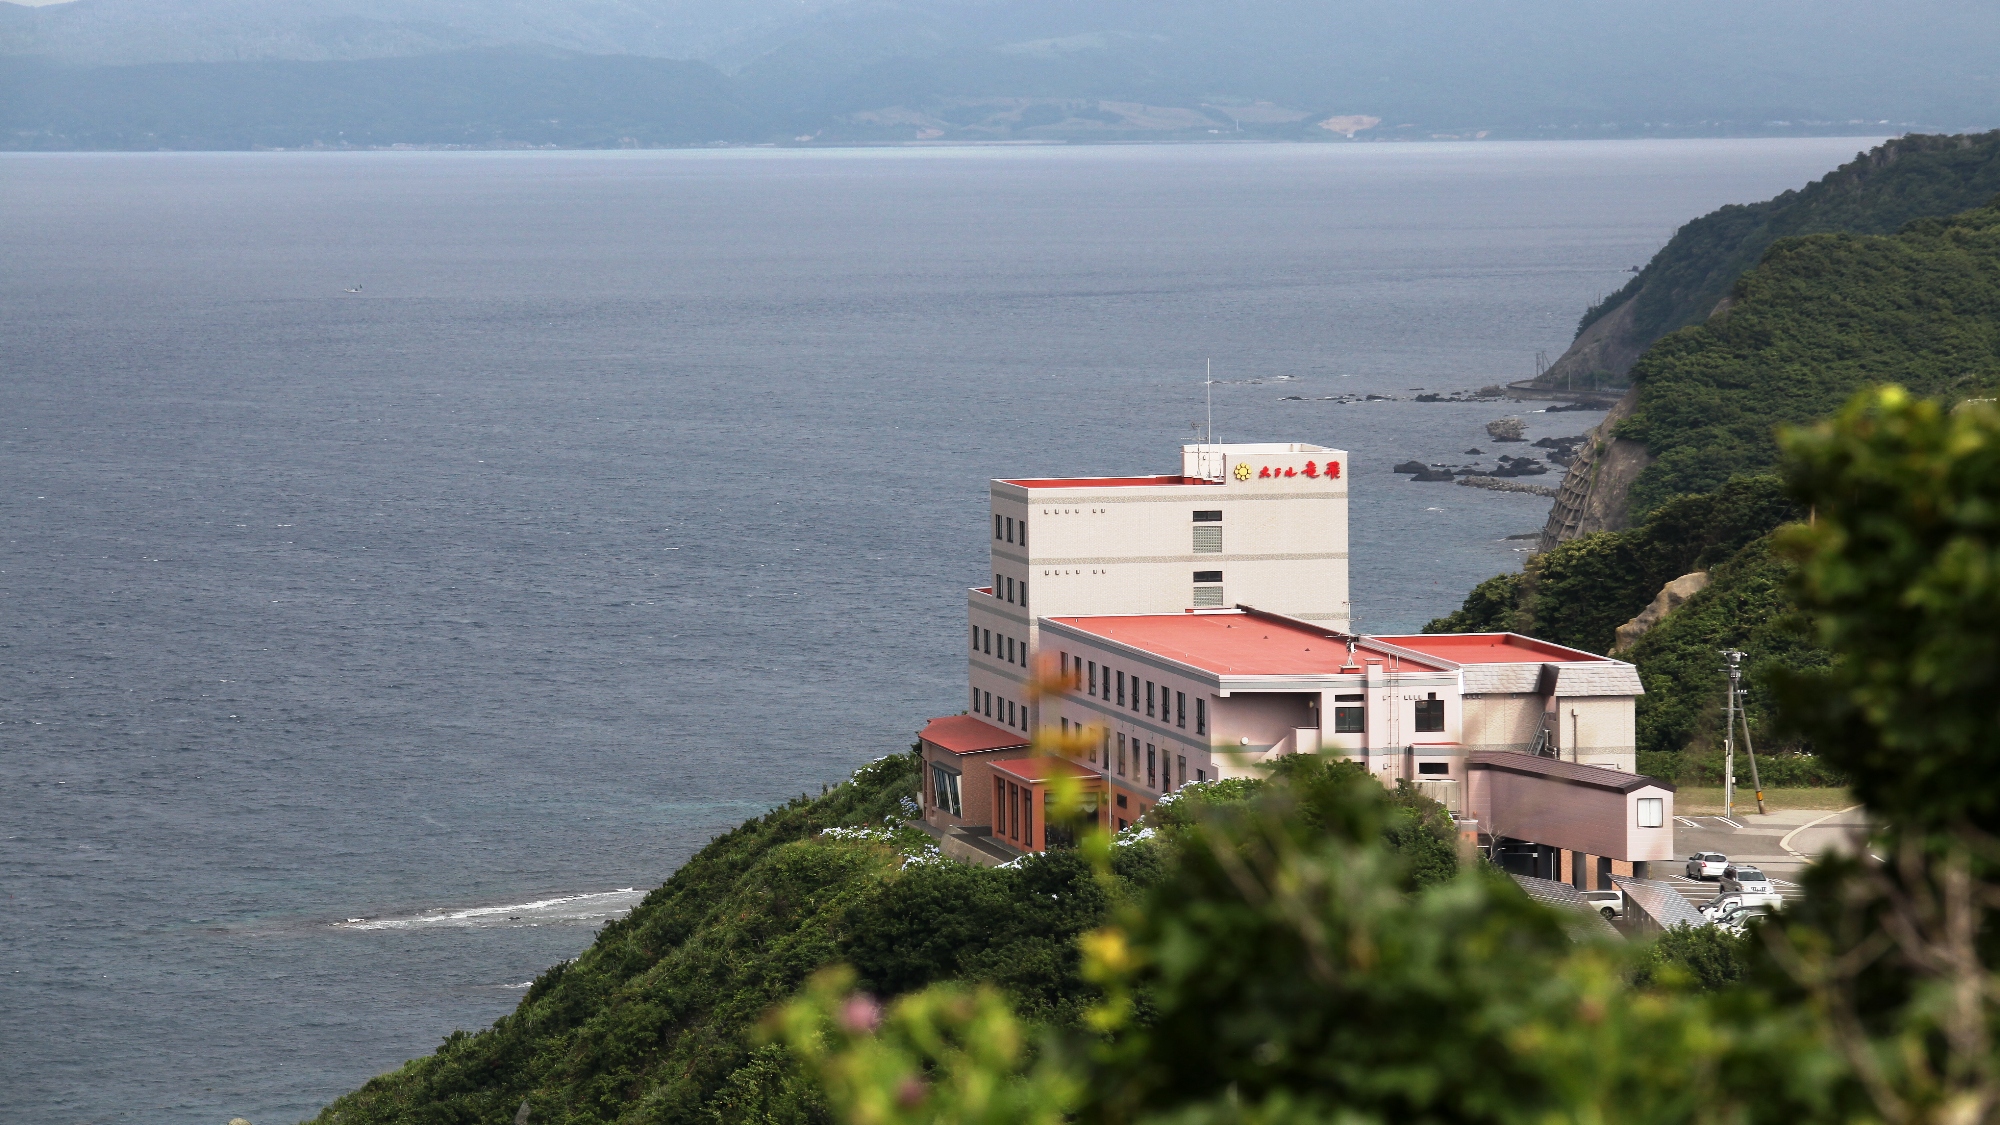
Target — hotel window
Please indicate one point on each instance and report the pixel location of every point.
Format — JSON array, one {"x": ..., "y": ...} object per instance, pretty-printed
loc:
[
  {"x": 1181, "y": 762},
  {"x": 1201, "y": 716},
  {"x": 1107, "y": 752},
  {"x": 1121, "y": 803},
  {"x": 1010, "y": 591},
  {"x": 1013, "y": 810},
  {"x": 1010, "y": 529},
  {"x": 1208, "y": 533},
  {"x": 1093, "y": 678},
  {"x": 1008, "y": 642},
  {"x": 996, "y": 525},
  {"x": 1150, "y": 775},
  {"x": 1028, "y": 817},
  {"x": 975, "y": 638},
  {"x": 1180, "y": 709},
  {"x": 1652, "y": 812},
  {"x": 989, "y": 704},
  {"x": 975, "y": 701},
  {"x": 989, "y": 642},
  {"x": 1024, "y": 533},
  {"x": 1121, "y": 689},
  {"x": 1430, "y": 715},
  {"x": 1024, "y": 589},
  {"x": 1149, "y": 699},
  {"x": 1121, "y": 757},
  {"x": 1010, "y": 712},
  {"x": 999, "y": 587},
  {"x": 1433, "y": 769},
  {"x": 1350, "y": 716},
  {"x": 1207, "y": 589},
  {"x": 1200, "y": 776}
]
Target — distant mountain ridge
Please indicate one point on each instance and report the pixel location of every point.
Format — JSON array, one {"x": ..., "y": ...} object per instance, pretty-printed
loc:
[{"x": 1011, "y": 70}]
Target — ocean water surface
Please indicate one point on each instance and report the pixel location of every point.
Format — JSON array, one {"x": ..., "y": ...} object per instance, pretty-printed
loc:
[{"x": 410, "y": 558}]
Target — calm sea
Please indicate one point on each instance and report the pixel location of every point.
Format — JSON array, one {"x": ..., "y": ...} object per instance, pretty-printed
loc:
[{"x": 457, "y": 541}]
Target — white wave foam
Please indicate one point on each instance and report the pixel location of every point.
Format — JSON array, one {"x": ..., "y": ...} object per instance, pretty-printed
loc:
[{"x": 597, "y": 906}]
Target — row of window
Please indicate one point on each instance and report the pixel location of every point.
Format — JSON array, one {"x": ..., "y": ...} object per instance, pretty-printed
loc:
[
  {"x": 1004, "y": 589},
  {"x": 1350, "y": 714},
  {"x": 1000, "y": 710},
  {"x": 1014, "y": 812},
  {"x": 1004, "y": 647},
  {"x": 1110, "y": 685},
  {"x": 1165, "y": 771},
  {"x": 1012, "y": 528}
]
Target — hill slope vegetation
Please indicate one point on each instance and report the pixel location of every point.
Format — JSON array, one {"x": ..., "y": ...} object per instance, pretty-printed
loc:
[
  {"x": 1820, "y": 318},
  {"x": 1878, "y": 192}
]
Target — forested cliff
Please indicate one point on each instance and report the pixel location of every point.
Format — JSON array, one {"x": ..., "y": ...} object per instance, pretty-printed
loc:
[{"x": 1819, "y": 318}]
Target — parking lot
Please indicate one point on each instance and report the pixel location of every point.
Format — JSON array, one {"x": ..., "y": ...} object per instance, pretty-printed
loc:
[{"x": 1780, "y": 844}]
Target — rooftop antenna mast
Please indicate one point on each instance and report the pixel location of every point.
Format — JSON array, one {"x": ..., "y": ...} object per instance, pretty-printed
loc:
[{"x": 1208, "y": 387}]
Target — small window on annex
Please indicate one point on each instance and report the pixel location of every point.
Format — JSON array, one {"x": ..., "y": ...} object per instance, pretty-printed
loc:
[
  {"x": 1430, "y": 715},
  {"x": 1350, "y": 716},
  {"x": 944, "y": 791},
  {"x": 1433, "y": 769},
  {"x": 1652, "y": 812}
]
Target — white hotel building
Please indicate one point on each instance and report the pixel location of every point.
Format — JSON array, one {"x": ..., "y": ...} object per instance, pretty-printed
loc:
[
  {"x": 1141, "y": 590},
  {"x": 1264, "y": 525}
]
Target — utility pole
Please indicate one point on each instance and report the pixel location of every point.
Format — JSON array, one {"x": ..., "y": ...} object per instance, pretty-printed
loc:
[
  {"x": 1743, "y": 712},
  {"x": 1729, "y": 737}
]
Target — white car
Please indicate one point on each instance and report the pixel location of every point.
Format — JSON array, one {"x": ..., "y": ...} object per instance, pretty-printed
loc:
[
  {"x": 1738, "y": 919},
  {"x": 1707, "y": 865},
  {"x": 1611, "y": 904},
  {"x": 1751, "y": 886},
  {"x": 1719, "y": 905}
]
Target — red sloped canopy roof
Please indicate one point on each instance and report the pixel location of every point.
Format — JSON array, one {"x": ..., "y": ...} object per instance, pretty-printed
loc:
[
  {"x": 964, "y": 734},
  {"x": 1044, "y": 768}
]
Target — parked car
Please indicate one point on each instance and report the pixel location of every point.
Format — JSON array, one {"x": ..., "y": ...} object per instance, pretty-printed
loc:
[
  {"x": 1719, "y": 905},
  {"x": 1707, "y": 865},
  {"x": 1750, "y": 885},
  {"x": 1611, "y": 904},
  {"x": 1739, "y": 919}
]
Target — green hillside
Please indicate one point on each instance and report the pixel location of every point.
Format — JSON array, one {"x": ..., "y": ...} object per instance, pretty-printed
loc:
[
  {"x": 1878, "y": 192},
  {"x": 1818, "y": 319},
  {"x": 656, "y": 1021}
]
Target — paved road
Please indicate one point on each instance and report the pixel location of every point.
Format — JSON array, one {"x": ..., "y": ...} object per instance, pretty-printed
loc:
[{"x": 1780, "y": 844}]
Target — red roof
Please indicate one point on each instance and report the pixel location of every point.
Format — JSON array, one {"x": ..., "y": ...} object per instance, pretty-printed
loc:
[
  {"x": 964, "y": 734},
  {"x": 1041, "y": 768},
  {"x": 1105, "y": 482},
  {"x": 1237, "y": 643},
  {"x": 1491, "y": 648}
]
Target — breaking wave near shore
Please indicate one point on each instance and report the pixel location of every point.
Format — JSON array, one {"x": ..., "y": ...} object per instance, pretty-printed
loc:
[{"x": 601, "y": 906}]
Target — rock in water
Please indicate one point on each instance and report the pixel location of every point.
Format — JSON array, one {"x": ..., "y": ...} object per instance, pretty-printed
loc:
[
  {"x": 1507, "y": 429},
  {"x": 1410, "y": 467},
  {"x": 1669, "y": 599}
]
